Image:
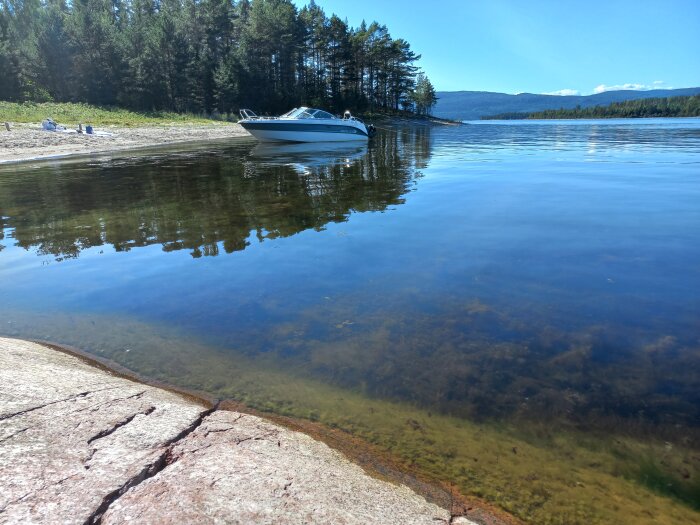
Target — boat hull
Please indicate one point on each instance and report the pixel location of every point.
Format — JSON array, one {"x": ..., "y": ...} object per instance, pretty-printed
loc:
[{"x": 304, "y": 131}]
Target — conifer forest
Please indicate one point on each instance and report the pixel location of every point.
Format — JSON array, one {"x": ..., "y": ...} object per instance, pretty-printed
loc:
[{"x": 204, "y": 57}]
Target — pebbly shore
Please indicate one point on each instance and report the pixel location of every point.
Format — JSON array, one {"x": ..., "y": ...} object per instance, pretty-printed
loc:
[{"x": 29, "y": 142}]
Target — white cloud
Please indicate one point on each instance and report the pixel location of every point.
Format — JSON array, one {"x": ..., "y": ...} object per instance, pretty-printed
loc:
[
  {"x": 564, "y": 92},
  {"x": 657, "y": 84}
]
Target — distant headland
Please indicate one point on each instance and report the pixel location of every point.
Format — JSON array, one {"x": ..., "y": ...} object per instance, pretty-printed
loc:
[{"x": 473, "y": 105}]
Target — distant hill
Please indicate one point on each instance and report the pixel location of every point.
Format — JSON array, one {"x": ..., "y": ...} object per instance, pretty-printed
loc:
[
  {"x": 638, "y": 108},
  {"x": 472, "y": 105}
]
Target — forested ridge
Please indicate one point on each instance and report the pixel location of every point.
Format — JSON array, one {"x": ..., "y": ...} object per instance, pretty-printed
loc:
[
  {"x": 642, "y": 108},
  {"x": 203, "y": 57}
]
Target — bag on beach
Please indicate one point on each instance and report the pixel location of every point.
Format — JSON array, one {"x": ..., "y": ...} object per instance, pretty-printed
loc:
[{"x": 48, "y": 125}]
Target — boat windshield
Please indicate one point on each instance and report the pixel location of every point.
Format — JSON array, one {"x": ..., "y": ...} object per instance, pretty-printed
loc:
[
  {"x": 304, "y": 113},
  {"x": 317, "y": 113}
]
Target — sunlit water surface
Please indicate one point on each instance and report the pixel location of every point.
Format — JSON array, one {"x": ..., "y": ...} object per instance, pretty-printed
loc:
[{"x": 537, "y": 271}]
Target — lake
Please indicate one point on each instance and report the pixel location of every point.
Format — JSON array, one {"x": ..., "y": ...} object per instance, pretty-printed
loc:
[{"x": 512, "y": 307}]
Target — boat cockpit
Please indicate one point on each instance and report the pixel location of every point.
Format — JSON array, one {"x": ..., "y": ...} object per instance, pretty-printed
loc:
[{"x": 307, "y": 113}]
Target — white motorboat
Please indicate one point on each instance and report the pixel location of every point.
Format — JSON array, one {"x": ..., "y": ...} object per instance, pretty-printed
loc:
[{"x": 305, "y": 125}]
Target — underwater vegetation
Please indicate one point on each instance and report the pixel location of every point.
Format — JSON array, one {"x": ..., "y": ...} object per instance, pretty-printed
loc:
[{"x": 542, "y": 473}]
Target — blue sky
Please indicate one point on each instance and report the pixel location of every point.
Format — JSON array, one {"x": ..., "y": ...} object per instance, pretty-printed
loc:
[{"x": 542, "y": 46}]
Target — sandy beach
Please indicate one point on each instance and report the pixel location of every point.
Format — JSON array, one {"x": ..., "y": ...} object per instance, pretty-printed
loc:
[{"x": 30, "y": 142}]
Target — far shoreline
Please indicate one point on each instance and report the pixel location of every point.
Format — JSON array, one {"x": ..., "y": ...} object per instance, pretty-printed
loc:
[{"x": 574, "y": 119}]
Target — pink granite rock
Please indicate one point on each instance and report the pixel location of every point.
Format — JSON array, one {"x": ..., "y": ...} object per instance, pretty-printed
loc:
[
  {"x": 80, "y": 445},
  {"x": 242, "y": 469},
  {"x": 71, "y": 435}
]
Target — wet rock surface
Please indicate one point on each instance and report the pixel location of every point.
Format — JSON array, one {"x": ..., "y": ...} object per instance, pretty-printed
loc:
[{"x": 80, "y": 445}]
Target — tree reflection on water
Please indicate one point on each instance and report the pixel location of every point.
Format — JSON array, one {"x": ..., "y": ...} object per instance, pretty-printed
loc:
[{"x": 207, "y": 203}]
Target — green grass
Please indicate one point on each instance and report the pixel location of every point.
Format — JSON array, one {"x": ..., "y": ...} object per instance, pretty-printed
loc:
[
  {"x": 68, "y": 113},
  {"x": 71, "y": 114}
]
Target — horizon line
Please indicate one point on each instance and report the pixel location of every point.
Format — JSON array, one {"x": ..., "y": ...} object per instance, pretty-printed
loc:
[{"x": 556, "y": 94}]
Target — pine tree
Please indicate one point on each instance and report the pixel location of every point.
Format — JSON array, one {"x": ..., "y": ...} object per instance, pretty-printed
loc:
[
  {"x": 424, "y": 96},
  {"x": 200, "y": 56},
  {"x": 54, "y": 52},
  {"x": 21, "y": 50},
  {"x": 99, "y": 48},
  {"x": 313, "y": 30},
  {"x": 10, "y": 87}
]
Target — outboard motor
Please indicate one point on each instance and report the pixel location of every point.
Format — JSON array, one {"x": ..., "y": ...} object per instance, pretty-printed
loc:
[
  {"x": 371, "y": 131},
  {"x": 347, "y": 115}
]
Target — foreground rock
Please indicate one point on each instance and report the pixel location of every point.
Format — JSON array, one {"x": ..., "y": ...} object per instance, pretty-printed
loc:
[{"x": 80, "y": 445}]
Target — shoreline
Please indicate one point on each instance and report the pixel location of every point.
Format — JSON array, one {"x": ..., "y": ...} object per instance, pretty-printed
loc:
[
  {"x": 416, "y": 120},
  {"x": 29, "y": 143},
  {"x": 373, "y": 463},
  {"x": 81, "y": 445}
]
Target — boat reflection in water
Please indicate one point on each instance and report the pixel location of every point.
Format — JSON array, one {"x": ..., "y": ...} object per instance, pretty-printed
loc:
[{"x": 308, "y": 158}]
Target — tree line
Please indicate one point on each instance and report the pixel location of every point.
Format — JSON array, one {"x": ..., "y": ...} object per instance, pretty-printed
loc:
[
  {"x": 641, "y": 108},
  {"x": 203, "y": 56}
]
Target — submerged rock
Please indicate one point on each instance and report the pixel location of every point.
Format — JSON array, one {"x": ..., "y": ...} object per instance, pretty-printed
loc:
[{"x": 81, "y": 445}]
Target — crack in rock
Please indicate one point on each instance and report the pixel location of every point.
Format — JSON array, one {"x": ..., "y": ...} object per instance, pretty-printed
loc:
[
  {"x": 150, "y": 470},
  {"x": 256, "y": 438},
  {"x": 40, "y": 489},
  {"x": 118, "y": 425},
  {"x": 74, "y": 396},
  {"x": 110, "y": 401},
  {"x": 214, "y": 482},
  {"x": 217, "y": 430},
  {"x": 7, "y": 438},
  {"x": 231, "y": 427},
  {"x": 17, "y": 500}
]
